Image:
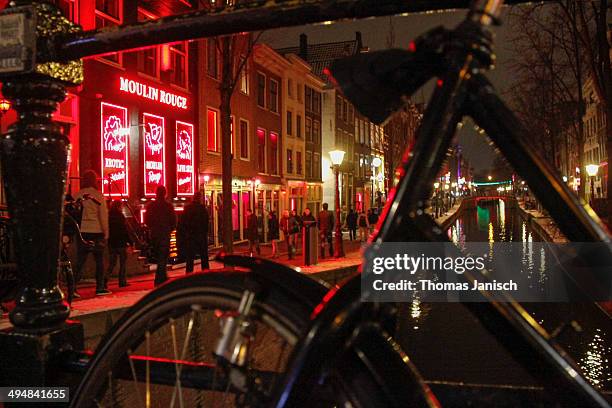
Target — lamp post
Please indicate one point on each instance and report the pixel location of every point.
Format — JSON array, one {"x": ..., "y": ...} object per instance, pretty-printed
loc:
[
  {"x": 5, "y": 105},
  {"x": 376, "y": 162},
  {"x": 336, "y": 157},
  {"x": 591, "y": 170},
  {"x": 206, "y": 180}
]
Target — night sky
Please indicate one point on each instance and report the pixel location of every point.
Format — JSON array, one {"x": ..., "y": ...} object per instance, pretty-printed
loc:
[{"x": 375, "y": 32}]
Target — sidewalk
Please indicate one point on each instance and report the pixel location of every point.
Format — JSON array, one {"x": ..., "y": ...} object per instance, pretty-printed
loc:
[{"x": 90, "y": 308}]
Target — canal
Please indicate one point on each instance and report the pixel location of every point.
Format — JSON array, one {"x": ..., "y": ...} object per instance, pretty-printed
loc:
[{"x": 447, "y": 343}]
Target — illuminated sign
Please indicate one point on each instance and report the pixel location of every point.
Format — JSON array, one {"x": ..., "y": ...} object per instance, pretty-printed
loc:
[
  {"x": 114, "y": 133},
  {"x": 150, "y": 92},
  {"x": 154, "y": 164},
  {"x": 184, "y": 159}
]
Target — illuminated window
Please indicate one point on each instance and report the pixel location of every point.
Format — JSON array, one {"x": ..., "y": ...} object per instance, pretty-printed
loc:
[
  {"x": 212, "y": 127},
  {"x": 232, "y": 141},
  {"x": 109, "y": 13},
  {"x": 273, "y": 96},
  {"x": 244, "y": 139},
  {"x": 261, "y": 150},
  {"x": 67, "y": 7},
  {"x": 185, "y": 179},
  {"x": 178, "y": 61},
  {"x": 154, "y": 157},
  {"x": 244, "y": 76},
  {"x": 289, "y": 161},
  {"x": 114, "y": 132},
  {"x": 274, "y": 143},
  {"x": 212, "y": 65},
  {"x": 298, "y": 162},
  {"x": 261, "y": 90},
  {"x": 148, "y": 59}
]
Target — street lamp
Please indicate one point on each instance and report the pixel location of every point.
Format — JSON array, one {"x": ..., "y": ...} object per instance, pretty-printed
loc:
[
  {"x": 591, "y": 170},
  {"x": 5, "y": 105},
  {"x": 336, "y": 157},
  {"x": 489, "y": 178},
  {"x": 206, "y": 180}
]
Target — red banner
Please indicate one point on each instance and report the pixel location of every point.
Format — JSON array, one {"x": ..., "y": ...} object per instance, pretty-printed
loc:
[
  {"x": 114, "y": 137},
  {"x": 154, "y": 160},
  {"x": 185, "y": 183}
]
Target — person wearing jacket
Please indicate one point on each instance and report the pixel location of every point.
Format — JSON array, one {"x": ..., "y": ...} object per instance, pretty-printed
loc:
[
  {"x": 193, "y": 227},
  {"x": 94, "y": 228},
  {"x": 161, "y": 220},
  {"x": 118, "y": 240},
  {"x": 252, "y": 232},
  {"x": 326, "y": 228},
  {"x": 273, "y": 232},
  {"x": 351, "y": 223},
  {"x": 285, "y": 227},
  {"x": 364, "y": 226},
  {"x": 295, "y": 226}
]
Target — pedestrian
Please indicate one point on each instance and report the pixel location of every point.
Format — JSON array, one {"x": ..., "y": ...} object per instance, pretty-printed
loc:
[
  {"x": 295, "y": 225},
  {"x": 118, "y": 240},
  {"x": 372, "y": 218},
  {"x": 193, "y": 225},
  {"x": 273, "y": 232},
  {"x": 351, "y": 223},
  {"x": 252, "y": 232},
  {"x": 161, "y": 220},
  {"x": 284, "y": 226},
  {"x": 364, "y": 225},
  {"x": 326, "y": 227},
  {"x": 94, "y": 229},
  {"x": 307, "y": 216}
]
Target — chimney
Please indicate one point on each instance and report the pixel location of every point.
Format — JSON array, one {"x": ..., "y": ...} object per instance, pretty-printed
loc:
[
  {"x": 359, "y": 41},
  {"x": 304, "y": 47}
]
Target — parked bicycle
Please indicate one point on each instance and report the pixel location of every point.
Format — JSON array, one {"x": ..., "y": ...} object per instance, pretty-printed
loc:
[{"x": 269, "y": 336}]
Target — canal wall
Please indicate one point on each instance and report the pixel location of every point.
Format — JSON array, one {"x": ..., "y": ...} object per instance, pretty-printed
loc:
[{"x": 541, "y": 224}]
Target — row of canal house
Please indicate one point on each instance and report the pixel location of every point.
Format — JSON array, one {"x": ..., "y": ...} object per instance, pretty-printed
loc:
[{"x": 149, "y": 117}]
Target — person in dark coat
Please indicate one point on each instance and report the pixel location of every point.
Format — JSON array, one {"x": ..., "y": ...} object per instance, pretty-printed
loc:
[
  {"x": 273, "y": 232},
  {"x": 351, "y": 223},
  {"x": 118, "y": 240},
  {"x": 161, "y": 220},
  {"x": 193, "y": 227},
  {"x": 252, "y": 233},
  {"x": 307, "y": 215},
  {"x": 295, "y": 226},
  {"x": 326, "y": 228}
]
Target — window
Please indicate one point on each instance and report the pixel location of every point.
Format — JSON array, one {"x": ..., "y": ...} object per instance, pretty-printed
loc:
[
  {"x": 274, "y": 143},
  {"x": 290, "y": 88},
  {"x": 299, "y": 92},
  {"x": 261, "y": 90},
  {"x": 316, "y": 102},
  {"x": 273, "y": 96},
  {"x": 244, "y": 76},
  {"x": 289, "y": 123},
  {"x": 316, "y": 165},
  {"x": 108, "y": 13},
  {"x": 308, "y": 125},
  {"x": 351, "y": 117},
  {"x": 67, "y": 8},
  {"x": 147, "y": 59},
  {"x": 261, "y": 150},
  {"x": 178, "y": 59},
  {"x": 345, "y": 111},
  {"x": 289, "y": 161},
  {"x": 308, "y": 92},
  {"x": 212, "y": 66},
  {"x": 244, "y": 139},
  {"x": 338, "y": 107},
  {"x": 298, "y": 162},
  {"x": 213, "y": 133},
  {"x": 298, "y": 125},
  {"x": 308, "y": 164},
  {"x": 316, "y": 132}
]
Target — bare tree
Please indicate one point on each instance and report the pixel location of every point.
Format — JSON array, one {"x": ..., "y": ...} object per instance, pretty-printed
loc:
[{"x": 234, "y": 52}]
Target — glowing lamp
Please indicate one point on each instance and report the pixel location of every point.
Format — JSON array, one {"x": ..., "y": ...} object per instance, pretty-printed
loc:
[
  {"x": 206, "y": 178},
  {"x": 489, "y": 178},
  {"x": 257, "y": 182},
  {"x": 436, "y": 184},
  {"x": 565, "y": 179},
  {"x": 5, "y": 105},
  {"x": 592, "y": 169},
  {"x": 336, "y": 157},
  {"x": 376, "y": 162},
  {"x": 446, "y": 186}
]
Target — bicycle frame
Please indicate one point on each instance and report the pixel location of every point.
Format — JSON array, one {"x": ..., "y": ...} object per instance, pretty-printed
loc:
[{"x": 462, "y": 90}]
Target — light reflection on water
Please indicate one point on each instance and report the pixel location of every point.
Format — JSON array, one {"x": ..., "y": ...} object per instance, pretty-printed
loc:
[{"x": 586, "y": 336}]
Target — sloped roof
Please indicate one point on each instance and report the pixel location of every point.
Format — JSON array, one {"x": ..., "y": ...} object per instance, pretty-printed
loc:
[{"x": 320, "y": 56}]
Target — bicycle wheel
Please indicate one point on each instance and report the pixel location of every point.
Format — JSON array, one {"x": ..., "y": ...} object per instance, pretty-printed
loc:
[{"x": 162, "y": 351}]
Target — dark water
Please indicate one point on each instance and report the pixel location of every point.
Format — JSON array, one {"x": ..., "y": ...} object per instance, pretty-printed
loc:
[{"x": 447, "y": 343}]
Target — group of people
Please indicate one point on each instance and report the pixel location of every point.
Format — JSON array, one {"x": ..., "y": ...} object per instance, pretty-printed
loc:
[
  {"x": 101, "y": 228},
  {"x": 364, "y": 221}
]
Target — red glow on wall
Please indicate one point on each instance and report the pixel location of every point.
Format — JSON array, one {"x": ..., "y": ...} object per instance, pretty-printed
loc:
[
  {"x": 114, "y": 139},
  {"x": 166, "y": 62},
  {"x": 185, "y": 183},
  {"x": 154, "y": 134},
  {"x": 212, "y": 130},
  {"x": 152, "y": 93}
]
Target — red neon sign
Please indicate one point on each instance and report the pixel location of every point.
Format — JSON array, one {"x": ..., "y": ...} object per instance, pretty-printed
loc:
[
  {"x": 154, "y": 141},
  {"x": 150, "y": 92},
  {"x": 184, "y": 159},
  {"x": 114, "y": 138}
]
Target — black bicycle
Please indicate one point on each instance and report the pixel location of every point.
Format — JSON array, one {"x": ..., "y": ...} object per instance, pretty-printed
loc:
[{"x": 268, "y": 336}]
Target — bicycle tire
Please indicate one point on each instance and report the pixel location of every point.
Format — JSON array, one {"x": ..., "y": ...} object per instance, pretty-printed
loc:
[{"x": 277, "y": 307}]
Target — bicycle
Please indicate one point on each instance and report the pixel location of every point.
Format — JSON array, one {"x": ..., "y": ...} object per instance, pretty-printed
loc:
[{"x": 342, "y": 349}]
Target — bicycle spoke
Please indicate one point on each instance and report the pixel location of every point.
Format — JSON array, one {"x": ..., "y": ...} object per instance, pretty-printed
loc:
[
  {"x": 182, "y": 358},
  {"x": 135, "y": 378}
]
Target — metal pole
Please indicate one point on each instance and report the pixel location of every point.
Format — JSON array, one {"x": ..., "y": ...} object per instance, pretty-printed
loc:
[{"x": 339, "y": 252}]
